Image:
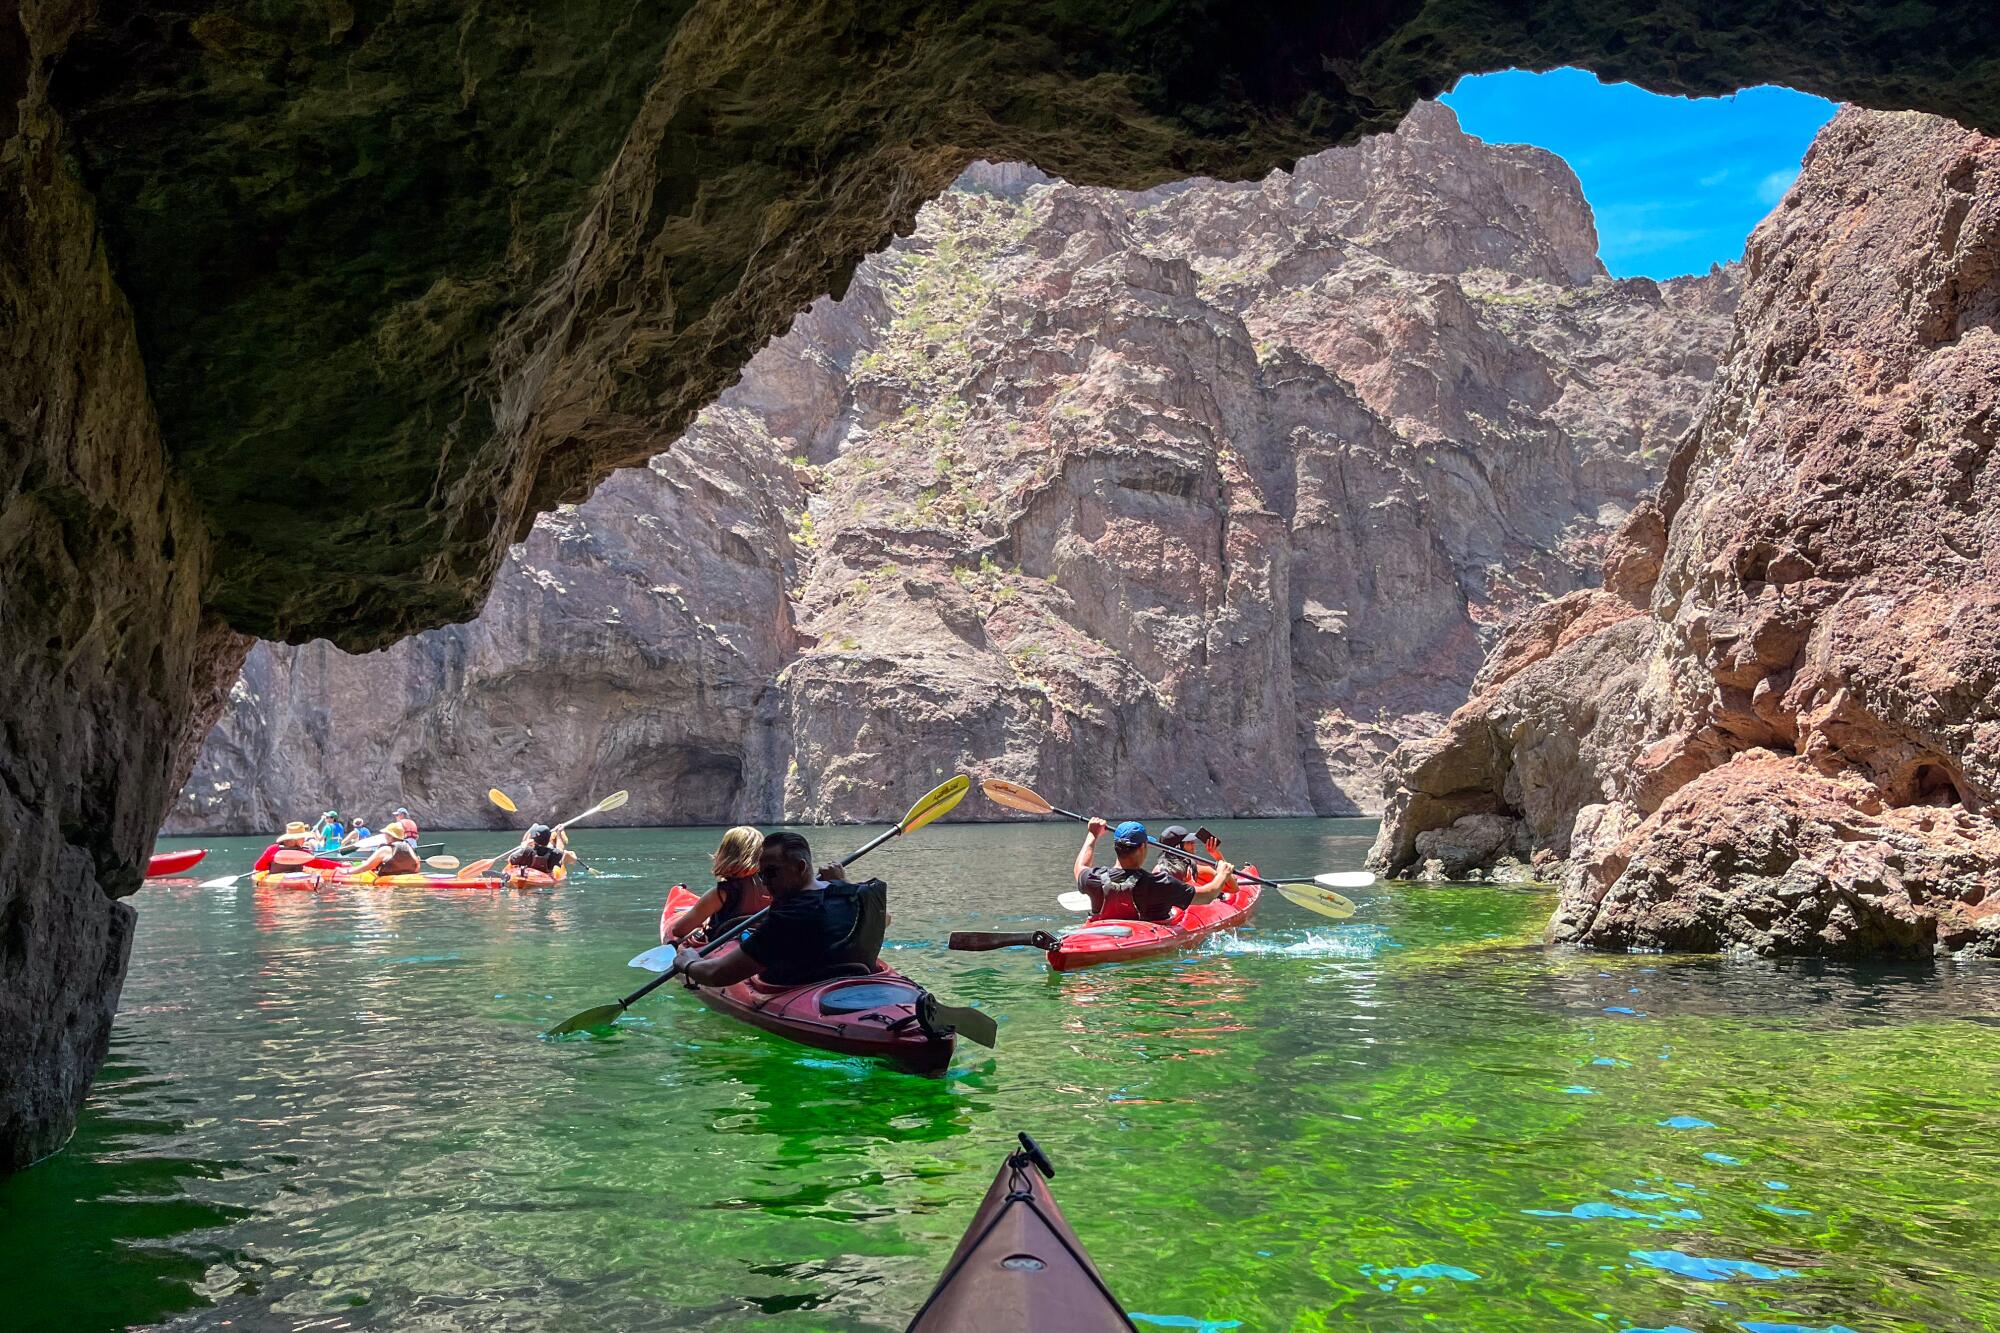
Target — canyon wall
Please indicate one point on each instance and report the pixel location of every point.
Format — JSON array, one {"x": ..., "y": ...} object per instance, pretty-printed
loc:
[
  {"x": 1777, "y": 726},
  {"x": 1198, "y": 499}
]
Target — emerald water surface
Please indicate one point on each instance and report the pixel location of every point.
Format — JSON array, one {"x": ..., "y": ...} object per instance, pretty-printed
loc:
[{"x": 333, "y": 1111}]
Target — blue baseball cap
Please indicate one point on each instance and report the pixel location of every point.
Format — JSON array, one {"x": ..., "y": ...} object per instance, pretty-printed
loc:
[{"x": 1131, "y": 833}]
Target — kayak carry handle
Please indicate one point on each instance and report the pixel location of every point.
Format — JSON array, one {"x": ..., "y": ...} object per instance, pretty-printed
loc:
[{"x": 1037, "y": 1156}]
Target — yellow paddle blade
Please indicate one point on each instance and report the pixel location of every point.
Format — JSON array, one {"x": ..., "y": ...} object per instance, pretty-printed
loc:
[
  {"x": 499, "y": 798},
  {"x": 1314, "y": 899},
  {"x": 938, "y": 801},
  {"x": 1015, "y": 797},
  {"x": 612, "y": 802},
  {"x": 442, "y": 862}
]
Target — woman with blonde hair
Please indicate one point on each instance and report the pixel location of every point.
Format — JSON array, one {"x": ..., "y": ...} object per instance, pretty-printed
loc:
[{"x": 737, "y": 892}]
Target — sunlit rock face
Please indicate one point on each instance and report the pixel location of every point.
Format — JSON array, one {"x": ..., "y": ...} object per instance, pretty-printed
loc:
[
  {"x": 1193, "y": 500},
  {"x": 1775, "y": 729}
]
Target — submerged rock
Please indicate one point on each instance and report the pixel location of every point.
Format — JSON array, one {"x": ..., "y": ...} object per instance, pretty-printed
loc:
[
  {"x": 1196, "y": 499},
  {"x": 1777, "y": 727}
]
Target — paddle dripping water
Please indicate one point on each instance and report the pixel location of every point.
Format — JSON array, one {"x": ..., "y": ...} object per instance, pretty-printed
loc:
[{"x": 333, "y": 1110}]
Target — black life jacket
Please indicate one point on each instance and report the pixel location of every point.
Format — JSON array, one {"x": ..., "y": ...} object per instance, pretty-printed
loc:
[
  {"x": 735, "y": 894},
  {"x": 544, "y": 859},
  {"x": 866, "y": 907}
]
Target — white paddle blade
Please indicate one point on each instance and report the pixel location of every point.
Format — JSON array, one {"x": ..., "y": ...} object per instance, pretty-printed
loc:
[
  {"x": 1345, "y": 879},
  {"x": 1073, "y": 901},
  {"x": 220, "y": 882},
  {"x": 613, "y": 801},
  {"x": 656, "y": 960}
]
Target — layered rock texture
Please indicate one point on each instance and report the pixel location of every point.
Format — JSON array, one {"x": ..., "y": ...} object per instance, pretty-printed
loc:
[
  {"x": 468, "y": 258},
  {"x": 110, "y": 670},
  {"x": 1198, "y": 499},
  {"x": 1776, "y": 727}
]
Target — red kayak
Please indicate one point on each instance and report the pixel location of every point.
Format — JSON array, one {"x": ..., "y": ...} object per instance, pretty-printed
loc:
[
  {"x": 878, "y": 1015},
  {"x": 1019, "y": 1266},
  {"x": 173, "y": 863},
  {"x": 1108, "y": 941}
]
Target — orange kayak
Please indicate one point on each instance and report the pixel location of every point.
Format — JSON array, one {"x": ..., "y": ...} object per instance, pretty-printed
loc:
[{"x": 312, "y": 880}]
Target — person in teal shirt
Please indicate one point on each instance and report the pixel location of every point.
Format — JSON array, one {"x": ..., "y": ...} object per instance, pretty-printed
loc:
[{"x": 329, "y": 831}]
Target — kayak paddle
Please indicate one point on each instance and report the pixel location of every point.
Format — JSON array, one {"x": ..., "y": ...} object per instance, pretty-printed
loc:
[
  {"x": 499, "y": 798},
  {"x": 1336, "y": 879},
  {"x": 938, "y": 801},
  {"x": 1016, "y": 797},
  {"x": 1073, "y": 901}
]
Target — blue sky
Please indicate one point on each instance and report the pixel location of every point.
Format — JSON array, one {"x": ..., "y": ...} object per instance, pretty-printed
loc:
[{"x": 1677, "y": 183}]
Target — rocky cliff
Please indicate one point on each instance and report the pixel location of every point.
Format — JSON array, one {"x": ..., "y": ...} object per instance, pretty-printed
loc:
[
  {"x": 1776, "y": 728},
  {"x": 1196, "y": 499}
]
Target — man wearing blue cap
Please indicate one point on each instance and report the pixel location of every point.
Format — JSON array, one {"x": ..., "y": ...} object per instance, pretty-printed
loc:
[{"x": 1129, "y": 891}]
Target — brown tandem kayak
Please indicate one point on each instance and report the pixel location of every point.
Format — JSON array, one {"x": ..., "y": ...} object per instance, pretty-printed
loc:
[{"x": 1019, "y": 1266}]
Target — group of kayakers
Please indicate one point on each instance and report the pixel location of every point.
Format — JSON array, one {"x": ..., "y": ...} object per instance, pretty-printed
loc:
[
  {"x": 813, "y": 920},
  {"x": 819, "y": 922},
  {"x": 394, "y": 851},
  {"x": 330, "y": 838}
]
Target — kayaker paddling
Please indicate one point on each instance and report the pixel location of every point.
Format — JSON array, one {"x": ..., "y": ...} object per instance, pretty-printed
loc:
[
  {"x": 328, "y": 832},
  {"x": 818, "y": 926},
  {"x": 1129, "y": 891},
  {"x": 738, "y": 890},
  {"x": 398, "y": 853},
  {"x": 542, "y": 849}
]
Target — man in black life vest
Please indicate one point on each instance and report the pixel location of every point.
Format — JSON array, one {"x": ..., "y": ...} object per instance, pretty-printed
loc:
[
  {"x": 542, "y": 849},
  {"x": 819, "y": 926}
]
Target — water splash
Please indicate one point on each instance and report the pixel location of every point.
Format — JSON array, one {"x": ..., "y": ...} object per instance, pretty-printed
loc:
[{"x": 1356, "y": 943}]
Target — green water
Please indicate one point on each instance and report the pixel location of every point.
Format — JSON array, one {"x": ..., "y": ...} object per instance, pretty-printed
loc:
[{"x": 332, "y": 1111}]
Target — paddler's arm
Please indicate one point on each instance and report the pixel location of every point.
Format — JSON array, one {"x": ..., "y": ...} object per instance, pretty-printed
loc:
[
  {"x": 721, "y": 968},
  {"x": 1223, "y": 882},
  {"x": 1091, "y": 834},
  {"x": 704, "y": 908}
]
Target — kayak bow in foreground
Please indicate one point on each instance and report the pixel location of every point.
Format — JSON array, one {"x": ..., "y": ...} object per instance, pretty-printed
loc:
[{"x": 1019, "y": 1266}]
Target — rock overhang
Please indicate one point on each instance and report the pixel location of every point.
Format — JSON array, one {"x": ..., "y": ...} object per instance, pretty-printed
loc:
[{"x": 405, "y": 275}]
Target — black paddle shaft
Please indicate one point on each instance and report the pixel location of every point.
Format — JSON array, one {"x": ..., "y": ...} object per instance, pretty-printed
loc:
[{"x": 737, "y": 933}]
